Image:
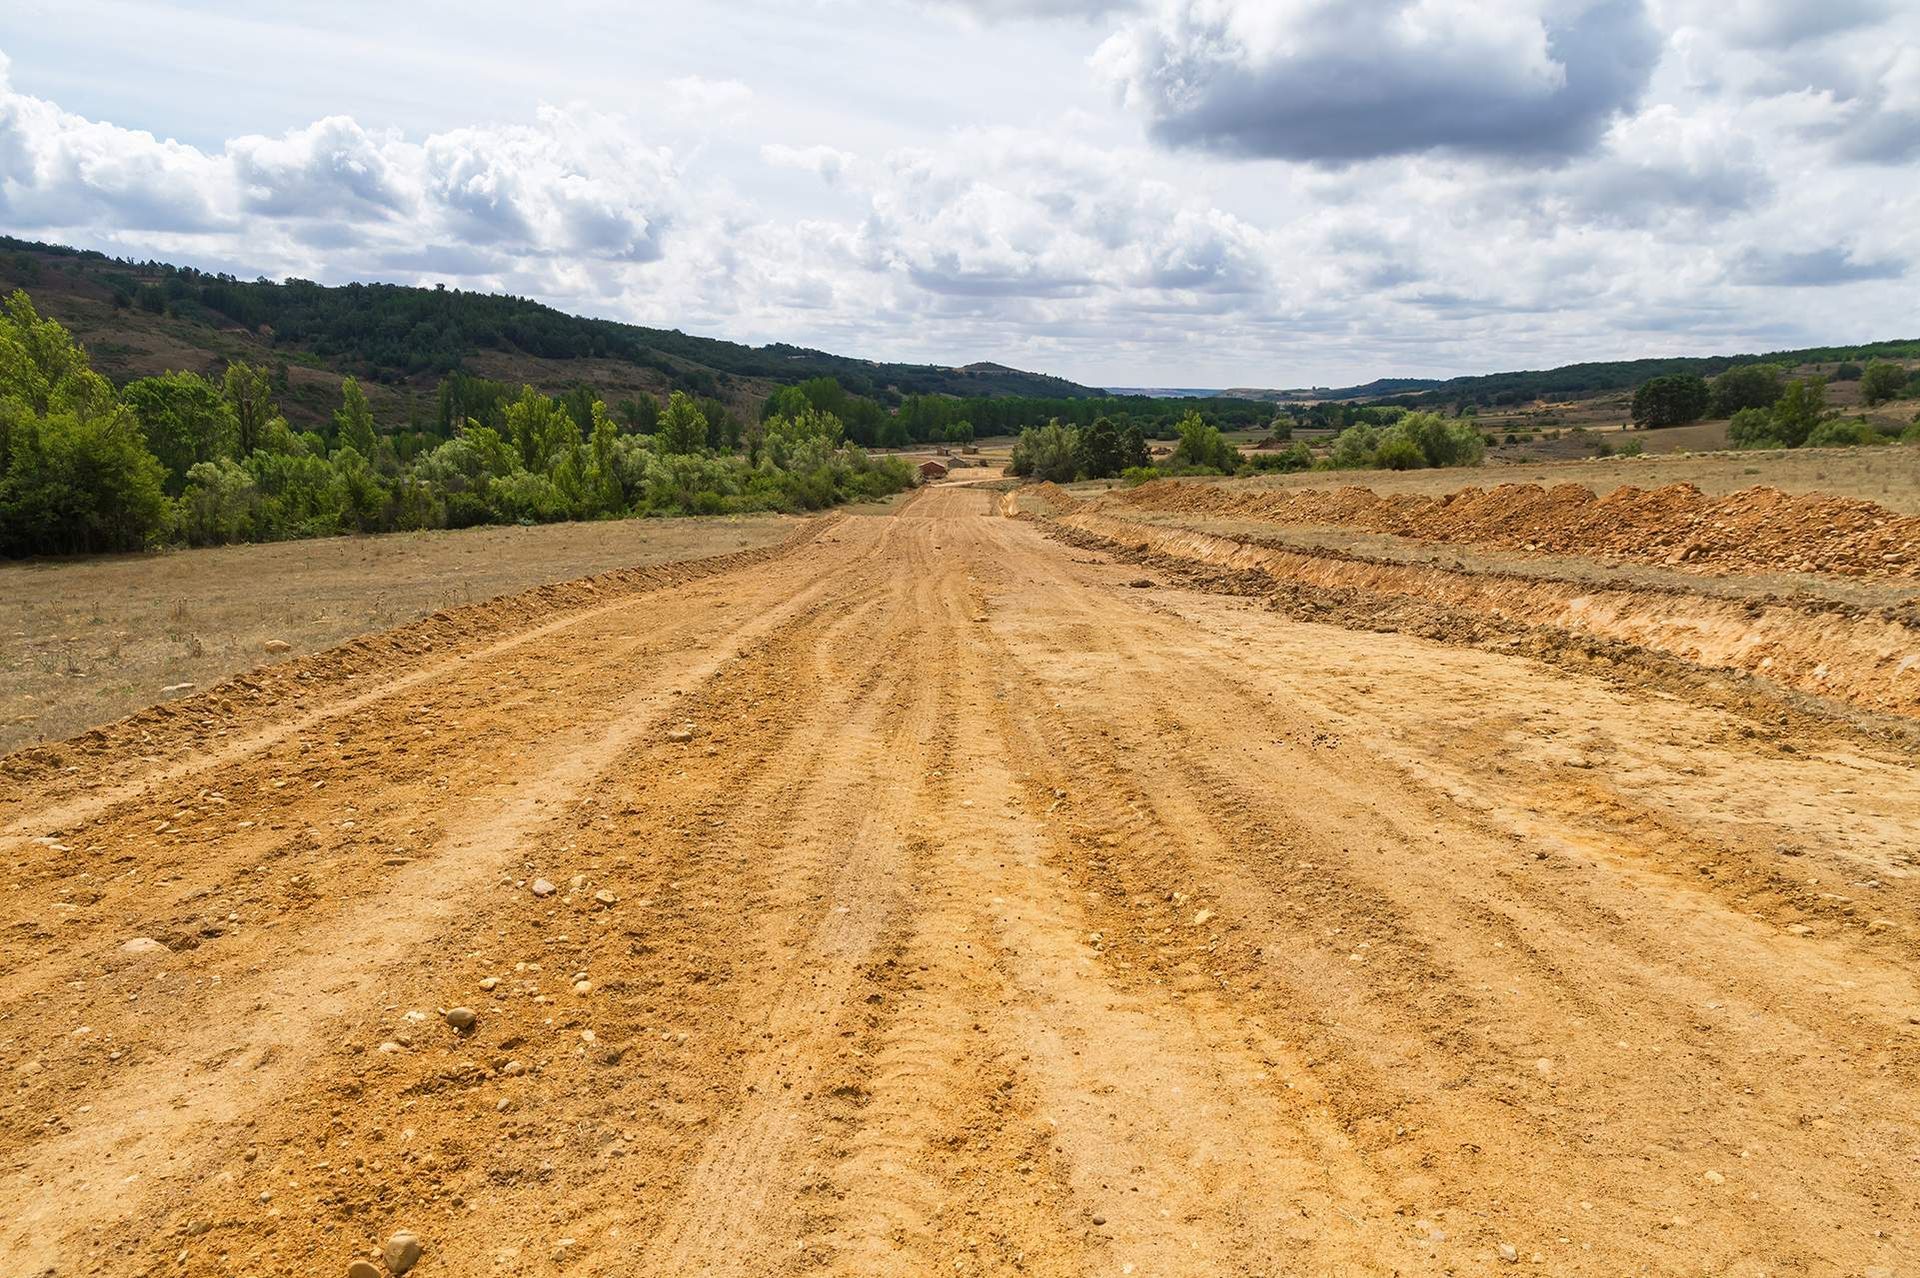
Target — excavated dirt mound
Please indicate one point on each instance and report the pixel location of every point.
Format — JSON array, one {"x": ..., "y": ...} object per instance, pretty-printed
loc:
[{"x": 1755, "y": 529}]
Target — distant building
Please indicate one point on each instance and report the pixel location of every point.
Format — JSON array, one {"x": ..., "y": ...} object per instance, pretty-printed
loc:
[{"x": 932, "y": 470}]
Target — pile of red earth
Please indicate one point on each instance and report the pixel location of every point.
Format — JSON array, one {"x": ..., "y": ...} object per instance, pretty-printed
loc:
[{"x": 1755, "y": 529}]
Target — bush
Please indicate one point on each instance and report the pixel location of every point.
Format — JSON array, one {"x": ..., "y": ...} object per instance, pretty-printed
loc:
[
  {"x": 1753, "y": 428},
  {"x": 1882, "y": 381},
  {"x": 1847, "y": 372},
  {"x": 1296, "y": 458},
  {"x": 1842, "y": 434}
]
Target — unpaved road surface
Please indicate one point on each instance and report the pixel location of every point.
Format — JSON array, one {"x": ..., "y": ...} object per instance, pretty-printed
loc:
[{"x": 999, "y": 916}]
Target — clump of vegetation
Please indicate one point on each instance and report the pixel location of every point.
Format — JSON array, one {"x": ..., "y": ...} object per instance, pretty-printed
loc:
[
  {"x": 1673, "y": 400},
  {"x": 1747, "y": 386},
  {"x": 1413, "y": 442},
  {"x": 1883, "y": 380},
  {"x": 179, "y": 458},
  {"x": 1787, "y": 422}
]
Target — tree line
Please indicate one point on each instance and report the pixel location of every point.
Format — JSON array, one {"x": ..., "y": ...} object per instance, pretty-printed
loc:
[
  {"x": 181, "y": 458},
  {"x": 1388, "y": 439},
  {"x": 1765, "y": 408}
]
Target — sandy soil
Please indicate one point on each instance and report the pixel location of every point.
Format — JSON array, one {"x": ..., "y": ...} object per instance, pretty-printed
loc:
[
  {"x": 86, "y": 641},
  {"x": 975, "y": 901},
  {"x": 1888, "y": 474}
]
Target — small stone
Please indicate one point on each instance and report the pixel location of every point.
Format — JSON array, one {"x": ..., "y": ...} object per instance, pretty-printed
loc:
[
  {"x": 563, "y": 1251},
  {"x": 542, "y": 888},
  {"x": 504, "y": 1104},
  {"x": 1713, "y": 1178},
  {"x": 1509, "y": 1253},
  {"x": 142, "y": 945},
  {"x": 390, "y": 1047},
  {"x": 577, "y": 882},
  {"x": 513, "y": 1068},
  {"x": 605, "y": 899},
  {"x": 583, "y": 987},
  {"x": 276, "y": 646},
  {"x": 1799, "y": 929},
  {"x": 1140, "y": 583},
  {"x": 461, "y": 1018},
  {"x": 402, "y": 1251},
  {"x": 364, "y": 1269},
  {"x": 489, "y": 982},
  {"x": 680, "y": 735},
  {"x": 172, "y": 688}
]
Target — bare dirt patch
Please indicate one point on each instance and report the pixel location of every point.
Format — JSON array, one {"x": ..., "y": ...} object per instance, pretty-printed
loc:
[
  {"x": 85, "y": 642},
  {"x": 922, "y": 895},
  {"x": 1753, "y": 529}
]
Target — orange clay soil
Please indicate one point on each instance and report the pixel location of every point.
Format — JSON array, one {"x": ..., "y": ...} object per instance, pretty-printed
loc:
[
  {"x": 926, "y": 897},
  {"x": 1754, "y": 529}
]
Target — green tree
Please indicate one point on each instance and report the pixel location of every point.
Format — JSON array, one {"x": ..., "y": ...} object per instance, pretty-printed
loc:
[
  {"x": 353, "y": 422},
  {"x": 1203, "y": 447},
  {"x": 249, "y": 394},
  {"x": 639, "y": 413},
  {"x": 219, "y": 503},
  {"x": 75, "y": 473},
  {"x": 186, "y": 421},
  {"x": 1745, "y": 386},
  {"x": 1673, "y": 400},
  {"x": 1801, "y": 407},
  {"x": 1102, "y": 450},
  {"x": 1047, "y": 452},
  {"x": 1882, "y": 381},
  {"x": 682, "y": 428}
]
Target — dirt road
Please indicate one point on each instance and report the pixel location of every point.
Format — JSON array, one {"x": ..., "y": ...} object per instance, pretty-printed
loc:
[{"x": 998, "y": 916}]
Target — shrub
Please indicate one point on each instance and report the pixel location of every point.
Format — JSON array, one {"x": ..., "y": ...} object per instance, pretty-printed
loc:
[
  {"x": 1882, "y": 381},
  {"x": 1842, "y": 434}
]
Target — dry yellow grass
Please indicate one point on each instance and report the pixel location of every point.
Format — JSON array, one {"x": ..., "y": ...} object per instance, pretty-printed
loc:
[{"x": 84, "y": 642}]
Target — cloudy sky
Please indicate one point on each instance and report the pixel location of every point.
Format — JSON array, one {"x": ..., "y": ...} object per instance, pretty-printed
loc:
[{"x": 1126, "y": 192}]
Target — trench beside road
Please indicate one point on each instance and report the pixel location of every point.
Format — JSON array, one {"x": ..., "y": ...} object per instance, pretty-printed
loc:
[{"x": 931, "y": 897}]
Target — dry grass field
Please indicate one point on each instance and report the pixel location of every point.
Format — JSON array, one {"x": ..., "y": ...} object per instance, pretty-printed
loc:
[{"x": 86, "y": 641}]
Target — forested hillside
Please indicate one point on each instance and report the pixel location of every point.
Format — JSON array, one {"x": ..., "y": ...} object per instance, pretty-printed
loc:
[
  {"x": 1574, "y": 381},
  {"x": 141, "y": 318}
]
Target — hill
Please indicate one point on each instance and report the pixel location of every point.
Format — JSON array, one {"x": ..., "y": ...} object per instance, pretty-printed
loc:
[
  {"x": 140, "y": 318},
  {"x": 1572, "y": 381}
]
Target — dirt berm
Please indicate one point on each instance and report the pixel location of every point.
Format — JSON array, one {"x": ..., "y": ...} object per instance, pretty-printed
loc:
[{"x": 1754, "y": 529}]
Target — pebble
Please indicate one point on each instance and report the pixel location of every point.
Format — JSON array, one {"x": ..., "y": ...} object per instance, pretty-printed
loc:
[
  {"x": 604, "y": 898},
  {"x": 542, "y": 888},
  {"x": 1509, "y": 1253},
  {"x": 390, "y": 1047},
  {"x": 276, "y": 645},
  {"x": 563, "y": 1251},
  {"x": 461, "y": 1018},
  {"x": 142, "y": 945},
  {"x": 364, "y": 1269},
  {"x": 583, "y": 987},
  {"x": 489, "y": 982},
  {"x": 1714, "y": 1178},
  {"x": 513, "y": 1068},
  {"x": 681, "y": 734},
  {"x": 402, "y": 1251}
]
